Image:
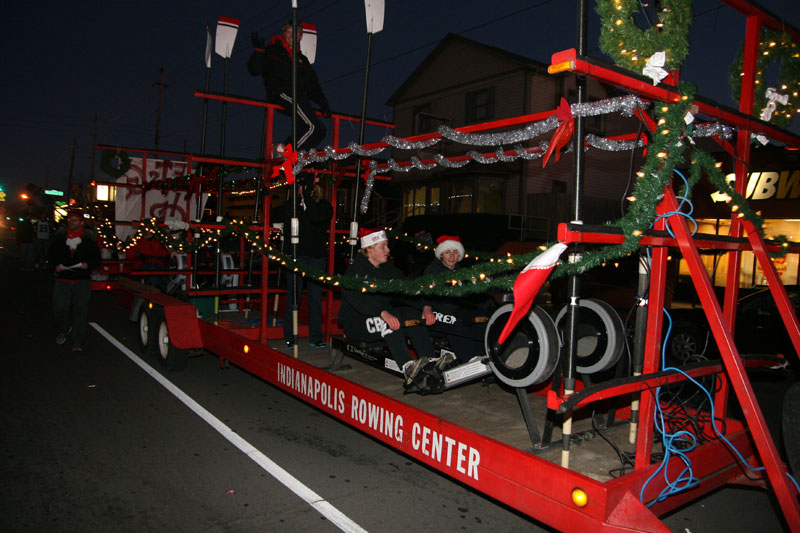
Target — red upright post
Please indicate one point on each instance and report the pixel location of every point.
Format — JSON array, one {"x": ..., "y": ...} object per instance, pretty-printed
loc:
[{"x": 775, "y": 470}]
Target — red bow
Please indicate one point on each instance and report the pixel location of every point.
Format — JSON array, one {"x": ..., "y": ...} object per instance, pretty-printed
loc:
[
  {"x": 563, "y": 134},
  {"x": 287, "y": 166}
]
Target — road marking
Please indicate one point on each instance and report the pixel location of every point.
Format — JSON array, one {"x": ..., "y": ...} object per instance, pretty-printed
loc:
[{"x": 316, "y": 501}]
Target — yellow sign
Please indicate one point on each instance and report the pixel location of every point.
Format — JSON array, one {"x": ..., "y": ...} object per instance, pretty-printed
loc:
[{"x": 2, "y": 196}]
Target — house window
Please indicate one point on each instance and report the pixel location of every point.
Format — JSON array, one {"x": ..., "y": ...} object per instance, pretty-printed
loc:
[
  {"x": 423, "y": 122},
  {"x": 461, "y": 192},
  {"x": 490, "y": 196},
  {"x": 480, "y": 105},
  {"x": 414, "y": 200}
]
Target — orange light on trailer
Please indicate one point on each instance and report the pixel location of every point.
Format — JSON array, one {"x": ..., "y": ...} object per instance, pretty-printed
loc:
[
  {"x": 246, "y": 348},
  {"x": 561, "y": 67},
  {"x": 108, "y": 287},
  {"x": 149, "y": 305},
  {"x": 579, "y": 497}
]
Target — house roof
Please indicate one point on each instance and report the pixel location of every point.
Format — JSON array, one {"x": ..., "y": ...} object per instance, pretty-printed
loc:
[{"x": 449, "y": 40}]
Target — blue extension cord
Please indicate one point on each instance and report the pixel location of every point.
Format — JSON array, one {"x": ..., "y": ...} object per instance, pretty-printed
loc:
[{"x": 687, "y": 441}]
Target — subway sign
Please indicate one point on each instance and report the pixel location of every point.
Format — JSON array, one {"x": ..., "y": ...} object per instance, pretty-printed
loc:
[{"x": 783, "y": 185}]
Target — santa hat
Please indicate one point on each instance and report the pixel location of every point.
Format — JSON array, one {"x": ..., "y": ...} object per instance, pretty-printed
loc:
[
  {"x": 449, "y": 242},
  {"x": 73, "y": 213},
  {"x": 372, "y": 236}
]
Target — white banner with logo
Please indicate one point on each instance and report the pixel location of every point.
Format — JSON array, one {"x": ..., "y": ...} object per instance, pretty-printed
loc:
[{"x": 164, "y": 206}]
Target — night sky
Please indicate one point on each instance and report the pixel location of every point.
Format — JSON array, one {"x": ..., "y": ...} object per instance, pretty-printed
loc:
[{"x": 65, "y": 63}]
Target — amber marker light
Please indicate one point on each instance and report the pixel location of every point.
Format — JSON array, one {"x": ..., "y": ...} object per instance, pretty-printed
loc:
[
  {"x": 579, "y": 497},
  {"x": 246, "y": 348},
  {"x": 149, "y": 305},
  {"x": 563, "y": 66}
]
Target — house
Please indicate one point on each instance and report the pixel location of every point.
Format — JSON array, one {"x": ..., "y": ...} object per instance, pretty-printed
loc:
[{"x": 464, "y": 82}]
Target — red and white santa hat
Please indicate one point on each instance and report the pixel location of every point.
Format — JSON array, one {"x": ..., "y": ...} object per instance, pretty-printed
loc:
[
  {"x": 372, "y": 236},
  {"x": 449, "y": 242}
]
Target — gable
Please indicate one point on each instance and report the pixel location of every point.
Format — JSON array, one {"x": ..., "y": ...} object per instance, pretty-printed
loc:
[{"x": 457, "y": 61}]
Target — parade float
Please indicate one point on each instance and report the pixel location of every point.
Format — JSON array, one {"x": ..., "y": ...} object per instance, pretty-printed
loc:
[{"x": 560, "y": 391}]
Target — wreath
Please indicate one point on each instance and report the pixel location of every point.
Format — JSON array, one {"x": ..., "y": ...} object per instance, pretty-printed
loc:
[
  {"x": 107, "y": 162},
  {"x": 774, "y": 46},
  {"x": 630, "y": 47}
]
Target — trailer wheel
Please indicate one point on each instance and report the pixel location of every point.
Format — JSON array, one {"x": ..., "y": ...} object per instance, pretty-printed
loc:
[
  {"x": 147, "y": 327},
  {"x": 171, "y": 358}
]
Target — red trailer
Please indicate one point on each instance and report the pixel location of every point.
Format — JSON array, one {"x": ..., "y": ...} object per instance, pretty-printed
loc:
[{"x": 567, "y": 493}]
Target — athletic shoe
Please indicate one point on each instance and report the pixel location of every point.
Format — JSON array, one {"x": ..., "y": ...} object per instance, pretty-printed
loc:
[
  {"x": 412, "y": 368},
  {"x": 61, "y": 338},
  {"x": 77, "y": 349},
  {"x": 444, "y": 361},
  {"x": 320, "y": 344},
  {"x": 289, "y": 344}
]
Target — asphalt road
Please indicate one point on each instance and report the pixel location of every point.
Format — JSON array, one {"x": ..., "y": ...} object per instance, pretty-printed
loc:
[{"x": 93, "y": 442}]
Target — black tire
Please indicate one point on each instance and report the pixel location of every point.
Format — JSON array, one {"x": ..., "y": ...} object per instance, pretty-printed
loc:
[
  {"x": 685, "y": 343},
  {"x": 146, "y": 329},
  {"x": 171, "y": 358}
]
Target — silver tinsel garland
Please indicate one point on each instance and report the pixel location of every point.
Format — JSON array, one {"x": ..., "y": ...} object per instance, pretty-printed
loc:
[{"x": 625, "y": 105}]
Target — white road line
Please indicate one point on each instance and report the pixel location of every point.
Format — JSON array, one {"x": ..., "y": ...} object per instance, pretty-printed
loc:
[{"x": 312, "y": 498}]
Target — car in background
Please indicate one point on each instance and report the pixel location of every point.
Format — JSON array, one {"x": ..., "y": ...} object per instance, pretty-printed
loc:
[{"x": 759, "y": 329}]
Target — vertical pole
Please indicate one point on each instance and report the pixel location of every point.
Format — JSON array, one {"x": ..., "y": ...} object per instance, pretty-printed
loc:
[
  {"x": 360, "y": 143},
  {"x": 221, "y": 178},
  {"x": 639, "y": 336},
  {"x": 204, "y": 126},
  {"x": 295, "y": 225},
  {"x": 571, "y": 329},
  {"x": 199, "y": 213}
]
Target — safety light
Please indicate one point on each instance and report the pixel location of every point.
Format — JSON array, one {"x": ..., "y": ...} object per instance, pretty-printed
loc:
[
  {"x": 246, "y": 348},
  {"x": 561, "y": 67},
  {"x": 149, "y": 305},
  {"x": 579, "y": 497}
]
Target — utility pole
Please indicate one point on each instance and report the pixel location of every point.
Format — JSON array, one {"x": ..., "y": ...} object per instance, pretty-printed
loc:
[
  {"x": 94, "y": 149},
  {"x": 74, "y": 145},
  {"x": 161, "y": 87}
]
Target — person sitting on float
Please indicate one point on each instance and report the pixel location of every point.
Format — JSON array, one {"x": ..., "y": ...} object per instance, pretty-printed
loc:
[
  {"x": 369, "y": 316},
  {"x": 148, "y": 253},
  {"x": 461, "y": 320}
]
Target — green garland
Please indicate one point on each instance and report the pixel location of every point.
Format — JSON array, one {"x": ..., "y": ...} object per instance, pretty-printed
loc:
[
  {"x": 630, "y": 47},
  {"x": 495, "y": 274},
  {"x": 106, "y": 162},
  {"x": 774, "y": 46}
]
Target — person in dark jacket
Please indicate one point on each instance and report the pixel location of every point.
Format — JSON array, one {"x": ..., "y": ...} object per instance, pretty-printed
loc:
[
  {"x": 461, "y": 320},
  {"x": 25, "y": 236},
  {"x": 274, "y": 63},
  {"x": 371, "y": 316},
  {"x": 73, "y": 255},
  {"x": 148, "y": 253},
  {"x": 314, "y": 215}
]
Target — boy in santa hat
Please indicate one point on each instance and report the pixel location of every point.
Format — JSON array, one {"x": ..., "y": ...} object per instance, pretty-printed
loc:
[
  {"x": 369, "y": 316},
  {"x": 456, "y": 317}
]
